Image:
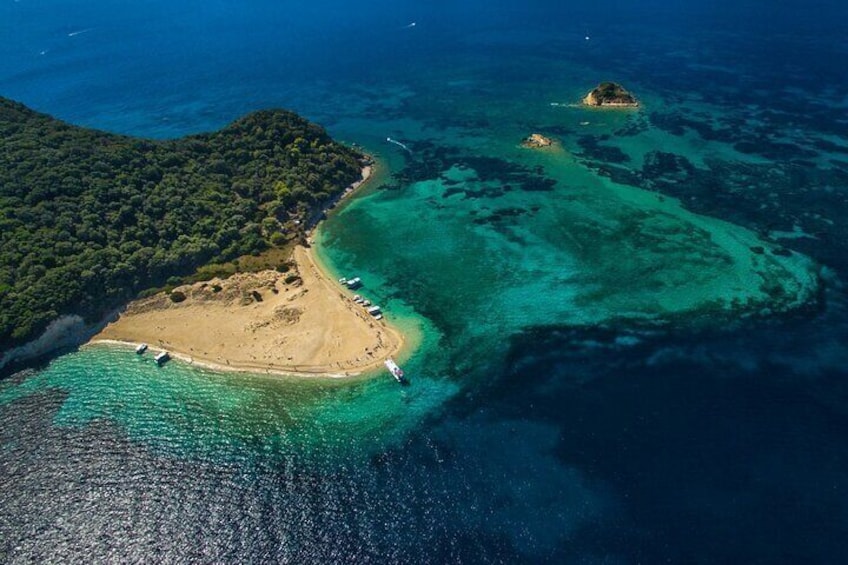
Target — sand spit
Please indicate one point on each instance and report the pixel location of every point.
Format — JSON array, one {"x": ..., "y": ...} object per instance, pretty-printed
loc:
[{"x": 300, "y": 322}]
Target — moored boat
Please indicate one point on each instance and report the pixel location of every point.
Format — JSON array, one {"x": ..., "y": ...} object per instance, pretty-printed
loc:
[
  {"x": 162, "y": 358},
  {"x": 142, "y": 347},
  {"x": 395, "y": 370}
]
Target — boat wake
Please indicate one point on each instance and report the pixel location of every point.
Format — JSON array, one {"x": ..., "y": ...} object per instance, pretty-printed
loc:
[
  {"x": 79, "y": 32},
  {"x": 399, "y": 144}
]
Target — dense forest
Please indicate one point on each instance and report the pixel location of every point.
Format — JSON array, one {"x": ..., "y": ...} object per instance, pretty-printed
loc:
[{"x": 88, "y": 219}]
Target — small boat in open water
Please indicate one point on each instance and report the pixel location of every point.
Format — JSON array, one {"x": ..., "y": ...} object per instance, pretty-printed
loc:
[
  {"x": 162, "y": 358},
  {"x": 396, "y": 371},
  {"x": 142, "y": 347}
]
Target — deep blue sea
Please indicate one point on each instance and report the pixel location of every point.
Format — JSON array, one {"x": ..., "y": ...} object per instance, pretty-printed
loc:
[{"x": 609, "y": 363}]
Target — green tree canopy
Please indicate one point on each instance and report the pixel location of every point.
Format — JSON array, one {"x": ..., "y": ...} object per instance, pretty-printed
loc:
[{"x": 88, "y": 218}]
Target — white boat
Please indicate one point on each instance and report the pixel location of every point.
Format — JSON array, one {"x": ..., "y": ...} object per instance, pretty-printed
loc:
[
  {"x": 396, "y": 371},
  {"x": 353, "y": 283},
  {"x": 142, "y": 347},
  {"x": 162, "y": 358}
]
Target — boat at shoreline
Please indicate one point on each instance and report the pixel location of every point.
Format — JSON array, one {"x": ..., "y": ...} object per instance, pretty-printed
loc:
[
  {"x": 142, "y": 347},
  {"x": 162, "y": 358},
  {"x": 395, "y": 370}
]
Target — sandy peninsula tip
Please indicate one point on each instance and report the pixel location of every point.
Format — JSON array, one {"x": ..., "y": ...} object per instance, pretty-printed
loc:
[{"x": 300, "y": 322}]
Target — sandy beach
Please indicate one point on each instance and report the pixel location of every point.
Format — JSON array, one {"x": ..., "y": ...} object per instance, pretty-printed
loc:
[{"x": 300, "y": 322}]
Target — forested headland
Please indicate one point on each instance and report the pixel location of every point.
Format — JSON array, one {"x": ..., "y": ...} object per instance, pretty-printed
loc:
[{"x": 88, "y": 219}]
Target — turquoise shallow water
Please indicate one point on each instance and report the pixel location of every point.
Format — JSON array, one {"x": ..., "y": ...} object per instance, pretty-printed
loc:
[
  {"x": 179, "y": 409},
  {"x": 600, "y": 376}
]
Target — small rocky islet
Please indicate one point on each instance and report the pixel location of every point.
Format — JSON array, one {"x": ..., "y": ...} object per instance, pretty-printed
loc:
[
  {"x": 536, "y": 141},
  {"x": 610, "y": 94}
]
